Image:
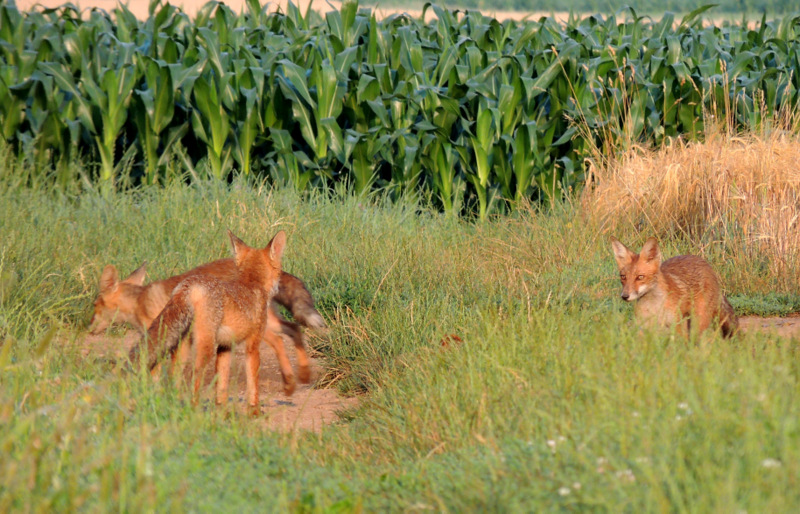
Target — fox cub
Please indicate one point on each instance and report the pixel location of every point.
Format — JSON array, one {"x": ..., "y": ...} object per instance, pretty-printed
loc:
[
  {"x": 219, "y": 312},
  {"x": 133, "y": 302},
  {"x": 683, "y": 288}
]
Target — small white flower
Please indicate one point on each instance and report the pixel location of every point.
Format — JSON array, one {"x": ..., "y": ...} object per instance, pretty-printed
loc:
[
  {"x": 626, "y": 475},
  {"x": 576, "y": 486},
  {"x": 563, "y": 491},
  {"x": 601, "y": 464},
  {"x": 635, "y": 414},
  {"x": 771, "y": 463},
  {"x": 683, "y": 406},
  {"x": 678, "y": 417}
]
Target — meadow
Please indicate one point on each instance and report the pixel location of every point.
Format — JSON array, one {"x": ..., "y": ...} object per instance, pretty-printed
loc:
[
  {"x": 493, "y": 364},
  {"x": 548, "y": 399}
]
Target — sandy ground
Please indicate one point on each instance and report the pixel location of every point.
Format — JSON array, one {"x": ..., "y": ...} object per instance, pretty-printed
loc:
[
  {"x": 309, "y": 408},
  {"x": 786, "y": 327}
]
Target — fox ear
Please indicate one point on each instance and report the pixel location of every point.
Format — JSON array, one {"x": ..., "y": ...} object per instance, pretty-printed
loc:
[
  {"x": 621, "y": 253},
  {"x": 109, "y": 278},
  {"x": 650, "y": 251},
  {"x": 239, "y": 248},
  {"x": 137, "y": 277},
  {"x": 276, "y": 247}
]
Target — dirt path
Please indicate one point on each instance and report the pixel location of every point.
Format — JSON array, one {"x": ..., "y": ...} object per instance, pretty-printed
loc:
[{"x": 307, "y": 409}]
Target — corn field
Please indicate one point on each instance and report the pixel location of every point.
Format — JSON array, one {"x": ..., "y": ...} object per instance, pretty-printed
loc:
[{"x": 476, "y": 113}]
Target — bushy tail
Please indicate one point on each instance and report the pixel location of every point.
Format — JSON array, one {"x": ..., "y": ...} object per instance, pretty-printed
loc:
[
  {"x": 728, "y": 321},
  {"x": 166, "y": 331},
  {"x": 293, "y": 295}
]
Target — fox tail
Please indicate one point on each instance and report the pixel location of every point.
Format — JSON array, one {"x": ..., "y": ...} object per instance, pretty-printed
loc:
[
  {"x": 293, "y": 294},
  {"x": 728, "y": 321},
  {"x": 306, "y": 314},
  {"x": 166, "y": 331}
]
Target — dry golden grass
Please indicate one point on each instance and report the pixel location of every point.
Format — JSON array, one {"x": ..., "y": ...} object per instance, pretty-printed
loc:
[{"x": 738, "y": 193}]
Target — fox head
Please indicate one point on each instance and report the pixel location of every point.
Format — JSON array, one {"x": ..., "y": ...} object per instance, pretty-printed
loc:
[
  {"x": 116, "y": 302},
  {"x": 260, "y": 264},
  {"x": 637, "y": 272}
]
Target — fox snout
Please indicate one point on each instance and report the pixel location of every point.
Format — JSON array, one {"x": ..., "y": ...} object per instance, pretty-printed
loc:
[{"x": 633, "y": 291}]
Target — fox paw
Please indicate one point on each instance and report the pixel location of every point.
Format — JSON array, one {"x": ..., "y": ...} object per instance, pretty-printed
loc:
[
  {"x": 304, "y": 372},
  {"x": 289, "y": 384}
]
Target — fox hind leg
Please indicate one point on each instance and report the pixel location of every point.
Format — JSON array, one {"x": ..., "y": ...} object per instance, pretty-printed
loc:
[
  {"x": 204, "y": 342},
  {"x": 303, "y": 363},
  {"x": 276, "y": 342},
  {"x": 702, "y": 314},
  {"x": 252, "y": 363},
  {"x": 223, "y": 371}
]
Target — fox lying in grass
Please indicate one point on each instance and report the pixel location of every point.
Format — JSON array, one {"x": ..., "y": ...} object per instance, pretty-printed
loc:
[
  {"x": 220, "y": 312},
  {"x": 667, "y": 293},
  {"x": 130, "y": 301}
]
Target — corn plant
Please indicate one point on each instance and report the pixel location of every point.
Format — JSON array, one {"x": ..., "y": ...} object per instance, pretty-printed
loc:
[{"x": 472, "y": 111}]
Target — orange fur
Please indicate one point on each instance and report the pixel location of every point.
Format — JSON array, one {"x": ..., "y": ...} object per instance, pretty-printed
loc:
[
  {"x": 683, "y": 288},
  {"x": 220, "y": 312},
  {"x": 131, "y": 302}
]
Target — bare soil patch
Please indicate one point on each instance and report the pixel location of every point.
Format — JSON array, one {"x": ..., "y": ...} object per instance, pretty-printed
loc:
[
  {"x": 309, "y": 408},
  {"x": 788, "y": 326}
]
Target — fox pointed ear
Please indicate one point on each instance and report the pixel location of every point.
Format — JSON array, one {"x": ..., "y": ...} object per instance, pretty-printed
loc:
[
  {"x": 621, "y": 253},
  {"x": 276, "y": 247},
  {"x": 139, "y": 274},
  {"x": 239, "y": 248},
  {"x": 650, "y": 251},
  {"x": 109, "y": 279}
]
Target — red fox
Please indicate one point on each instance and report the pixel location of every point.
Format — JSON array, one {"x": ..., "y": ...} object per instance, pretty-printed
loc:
[
  {"x": 220, "y": 312},
  {"x": 666, "y": 293},
  {"x": 130, "y": 301}
]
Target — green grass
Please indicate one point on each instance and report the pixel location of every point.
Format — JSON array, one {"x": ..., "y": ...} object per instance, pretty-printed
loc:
[{"x": 553, "y": 401}]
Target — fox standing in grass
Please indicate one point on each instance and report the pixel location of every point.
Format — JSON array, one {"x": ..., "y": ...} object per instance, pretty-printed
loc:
[
  {"x": 131, "y": 301},
  {"x": 219, "y": 313},
  {"x": 667, "y": 293}
]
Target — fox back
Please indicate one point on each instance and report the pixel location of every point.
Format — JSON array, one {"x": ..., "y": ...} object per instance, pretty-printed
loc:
[
  {"x": 681, "y": 288},
  {"x": 129, "y": 301},
  {"x": 231, "y": 306},
  {"x": 221, "y": 312}
]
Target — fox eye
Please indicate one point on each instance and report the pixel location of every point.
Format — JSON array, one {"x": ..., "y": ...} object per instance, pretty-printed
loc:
[
  {"x": 640, "y": 277},
  {"x": 622, "y": 277}
]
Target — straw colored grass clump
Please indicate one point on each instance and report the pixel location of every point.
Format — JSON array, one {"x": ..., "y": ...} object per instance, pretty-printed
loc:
[{"x": 740, "y": 192}]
